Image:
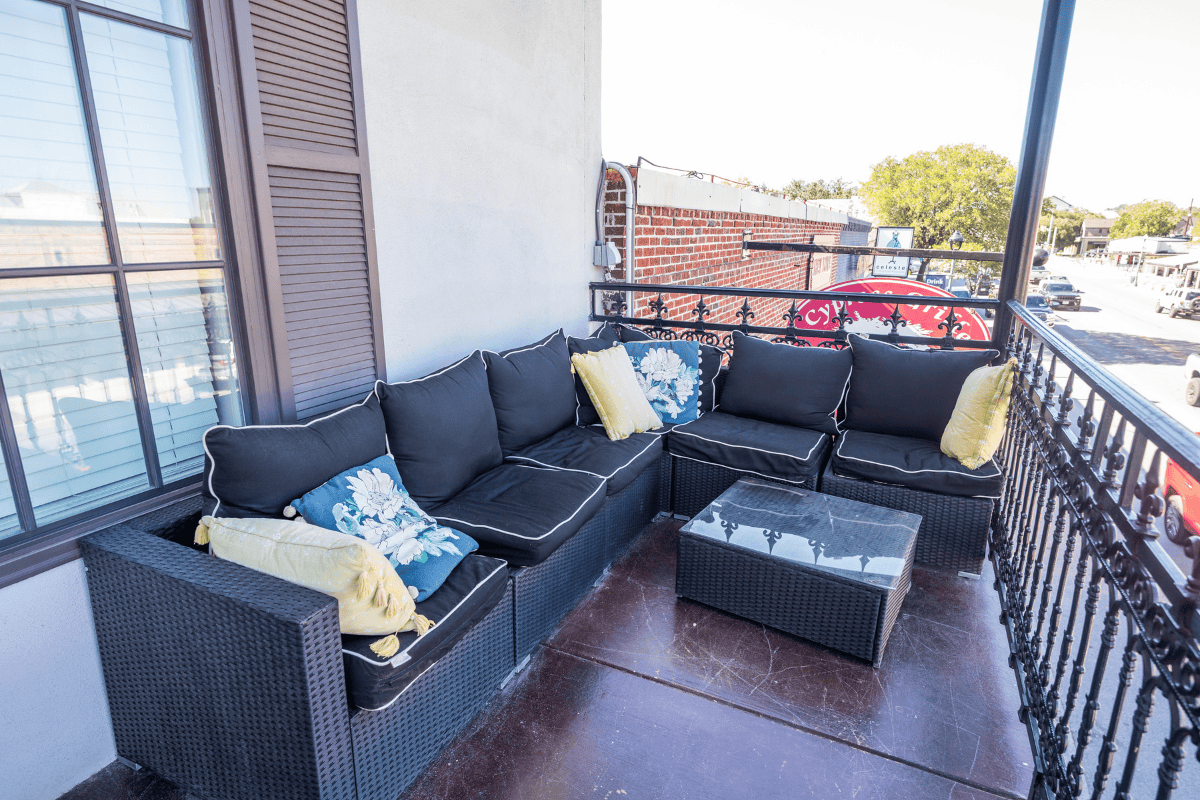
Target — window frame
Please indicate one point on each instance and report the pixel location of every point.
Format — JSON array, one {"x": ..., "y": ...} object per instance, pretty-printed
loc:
[{"x": 38, "y": 548}]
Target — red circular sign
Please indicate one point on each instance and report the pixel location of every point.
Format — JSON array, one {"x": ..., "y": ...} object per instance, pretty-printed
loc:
[{"x": 866, "y": 317}]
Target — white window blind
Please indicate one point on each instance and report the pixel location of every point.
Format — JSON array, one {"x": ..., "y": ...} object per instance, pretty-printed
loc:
[
  {"x": 67, "y": 380},
  {"x": 186, "y": 348}
]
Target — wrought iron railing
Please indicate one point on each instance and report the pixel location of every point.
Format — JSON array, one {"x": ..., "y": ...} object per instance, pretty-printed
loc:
[
  {"x": 794, "y": 328},
  {"x": 619, "y": 302},
  {"x": 1092, "y": 591},
  {"x": 1096, "y": 583}
]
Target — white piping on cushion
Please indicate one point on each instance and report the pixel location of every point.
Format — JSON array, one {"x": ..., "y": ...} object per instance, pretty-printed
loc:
[
  {"x": 434, "y": 374},
  {"x": 772, "y": 478},
  {"x": 543, "y": 343},
  {"x": 756, "y": 449},
  {"x": 517, "y": 535},
  {"x": 838, "y": 424},
  {"x": 397, "y": 659},
  {"x": 842, "y": 440},
  {"x": 716, "y": 372},
  {"x": 584, "y": 471},
  {"x": 213, "y": 462}
]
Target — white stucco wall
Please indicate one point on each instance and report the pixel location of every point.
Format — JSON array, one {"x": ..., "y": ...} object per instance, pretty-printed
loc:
[
  {"x": 54, "y": 725},
  {"x": 483, "y": 126}
]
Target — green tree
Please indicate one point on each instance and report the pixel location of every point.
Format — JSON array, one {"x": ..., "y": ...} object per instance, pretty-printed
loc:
[
  {"x": 1068, "y": 223},
  {"x": 1147, "y": 218},
  {"x": 820, "y": 189},
  {"x": 958, "y": 187}
]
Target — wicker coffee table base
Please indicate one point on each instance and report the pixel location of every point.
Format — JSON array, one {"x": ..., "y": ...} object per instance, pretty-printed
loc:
[{"x": 954, "y": 530}]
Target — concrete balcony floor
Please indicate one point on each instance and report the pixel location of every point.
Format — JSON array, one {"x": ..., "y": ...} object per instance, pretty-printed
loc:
[{"x": 639, "y": 694}]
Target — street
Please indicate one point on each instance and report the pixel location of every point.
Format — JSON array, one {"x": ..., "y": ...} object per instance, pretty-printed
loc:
[{"x": 1117, "y": 326}]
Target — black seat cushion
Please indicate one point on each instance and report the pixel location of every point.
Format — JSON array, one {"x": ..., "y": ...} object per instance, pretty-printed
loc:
[
  {"x": 801, "y": 386},
  {"x": 781, "y": 452},
  {"x": 590, "y": 450},
  {"x": 912, "y": 463},
  {"x": 257, "y": 470},
  {"x": 467, "y": 595},
  {"x": 441, "y": 429},
  {"x": 710, "y": 364},
  {"x": 522, "y": 513},
  {"x": 532, "y": 390},
  {"x": 906, "y": 392}
]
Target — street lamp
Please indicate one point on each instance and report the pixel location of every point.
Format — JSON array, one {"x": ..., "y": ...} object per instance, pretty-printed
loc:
[{"x": 956, "y": 243}]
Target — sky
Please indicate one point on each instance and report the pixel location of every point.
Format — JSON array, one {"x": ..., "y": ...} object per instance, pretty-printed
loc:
[{"x": 774, "y": 91}]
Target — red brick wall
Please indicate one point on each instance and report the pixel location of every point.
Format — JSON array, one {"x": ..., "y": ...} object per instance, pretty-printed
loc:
[{"x": 687, "y": 246}]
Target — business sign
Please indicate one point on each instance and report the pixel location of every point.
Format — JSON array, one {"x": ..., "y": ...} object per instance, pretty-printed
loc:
[
  {"x": 892, "y": 266},
  {"x": 938, "y": 279},
  {"x": 867, "y": 317}
]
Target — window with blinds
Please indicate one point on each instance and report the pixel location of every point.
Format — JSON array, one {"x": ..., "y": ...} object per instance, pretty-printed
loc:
[{"x": 116, "y": 345}]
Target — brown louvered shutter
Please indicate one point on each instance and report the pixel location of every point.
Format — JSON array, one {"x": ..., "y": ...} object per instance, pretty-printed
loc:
[{"x": 303, "y": 88}]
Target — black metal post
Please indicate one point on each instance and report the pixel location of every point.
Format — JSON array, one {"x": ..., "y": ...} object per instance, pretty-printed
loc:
[{"x": 1044, "y": 91}]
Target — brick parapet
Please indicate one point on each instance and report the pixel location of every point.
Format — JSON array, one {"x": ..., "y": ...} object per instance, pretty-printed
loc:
[{"x": 701, "y": 247}]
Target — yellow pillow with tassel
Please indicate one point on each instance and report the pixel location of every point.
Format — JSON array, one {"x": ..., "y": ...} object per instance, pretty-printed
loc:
[
  {"x": 610, "y": 381},
  {"x": 372, "y": 600},
  {"x": 976, "y": 427}
]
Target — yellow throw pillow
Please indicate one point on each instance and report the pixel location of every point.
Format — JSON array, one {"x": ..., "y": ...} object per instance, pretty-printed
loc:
[
  {"x": 980, "y": 415},
  {"x": 611, "y": 383},
  {"x": 372, "y": 600}
]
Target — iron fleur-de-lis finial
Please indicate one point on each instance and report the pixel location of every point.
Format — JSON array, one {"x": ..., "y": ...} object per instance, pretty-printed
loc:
[
  {"x": 745, "y": 315},
  {"x": 951, "y": 326}
]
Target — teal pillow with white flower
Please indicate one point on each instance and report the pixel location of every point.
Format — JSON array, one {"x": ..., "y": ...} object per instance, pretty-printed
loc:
[
  {"x": 370, "y": 502},
  {"x": 669, "y": 375}
]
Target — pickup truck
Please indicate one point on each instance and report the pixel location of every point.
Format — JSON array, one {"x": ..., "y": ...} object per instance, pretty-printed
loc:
[{"x": 1061, "y": 293}]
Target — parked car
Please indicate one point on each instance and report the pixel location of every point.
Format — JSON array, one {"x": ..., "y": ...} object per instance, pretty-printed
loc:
[
  {"x": 1183, "y": 498},
  {"x": 1191, "y": 369},
  {"x": 1061, "y": 293},
  {"x": 1038, "y": 306},
  {"x": 1037, "y": 274},
  {"x": 1179, "y": 302}
]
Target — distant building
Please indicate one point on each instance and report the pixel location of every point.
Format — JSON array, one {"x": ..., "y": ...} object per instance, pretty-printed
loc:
[
  {"x": 1093, "y": 234},
  {"x": 1149, "y": 245},
  {"x": 1058, "y": 204},
  {"x": 1182, "y": 269},
  {"x": 1187, "y": 224}
]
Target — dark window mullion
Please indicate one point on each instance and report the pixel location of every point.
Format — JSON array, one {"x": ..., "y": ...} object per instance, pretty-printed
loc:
[
  {"x": 12, "y": 462},
  {"x": 221, "y": 212},
  {"x": 141, "y": 399},
  {"x": 93, "y": 130},
  {"x": 104, "y": 269},
  {"x": 132, "y": 19},
  {"x": 133, "y": 358}
]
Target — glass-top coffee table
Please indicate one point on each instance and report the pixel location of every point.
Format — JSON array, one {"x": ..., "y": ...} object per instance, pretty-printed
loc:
[{"x": 828, "y": 569}]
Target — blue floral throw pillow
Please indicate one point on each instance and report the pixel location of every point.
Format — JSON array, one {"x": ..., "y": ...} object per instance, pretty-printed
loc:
[
  {"x": 669, "y": 374},
  {"x": 370, "y": 502}
]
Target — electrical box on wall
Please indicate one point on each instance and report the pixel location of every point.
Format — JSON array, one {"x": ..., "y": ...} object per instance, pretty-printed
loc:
[{"x": 606, "y": 255}]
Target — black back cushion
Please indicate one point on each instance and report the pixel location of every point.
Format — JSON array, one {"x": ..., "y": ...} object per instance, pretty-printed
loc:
[
  {"x": 532, "y": 391},
  {"x": 710, "y": 365},
  {"x": 800, "y": 386},
  {"x": 257, "y": 470},
  {"x": 906, "y": 392},
  {"x": 441, "y": 429},
  {"x": 585, "y": 410}
]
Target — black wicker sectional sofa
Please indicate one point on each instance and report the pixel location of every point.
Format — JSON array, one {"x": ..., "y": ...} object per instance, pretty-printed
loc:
[{"x": 235, "y": 684}]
